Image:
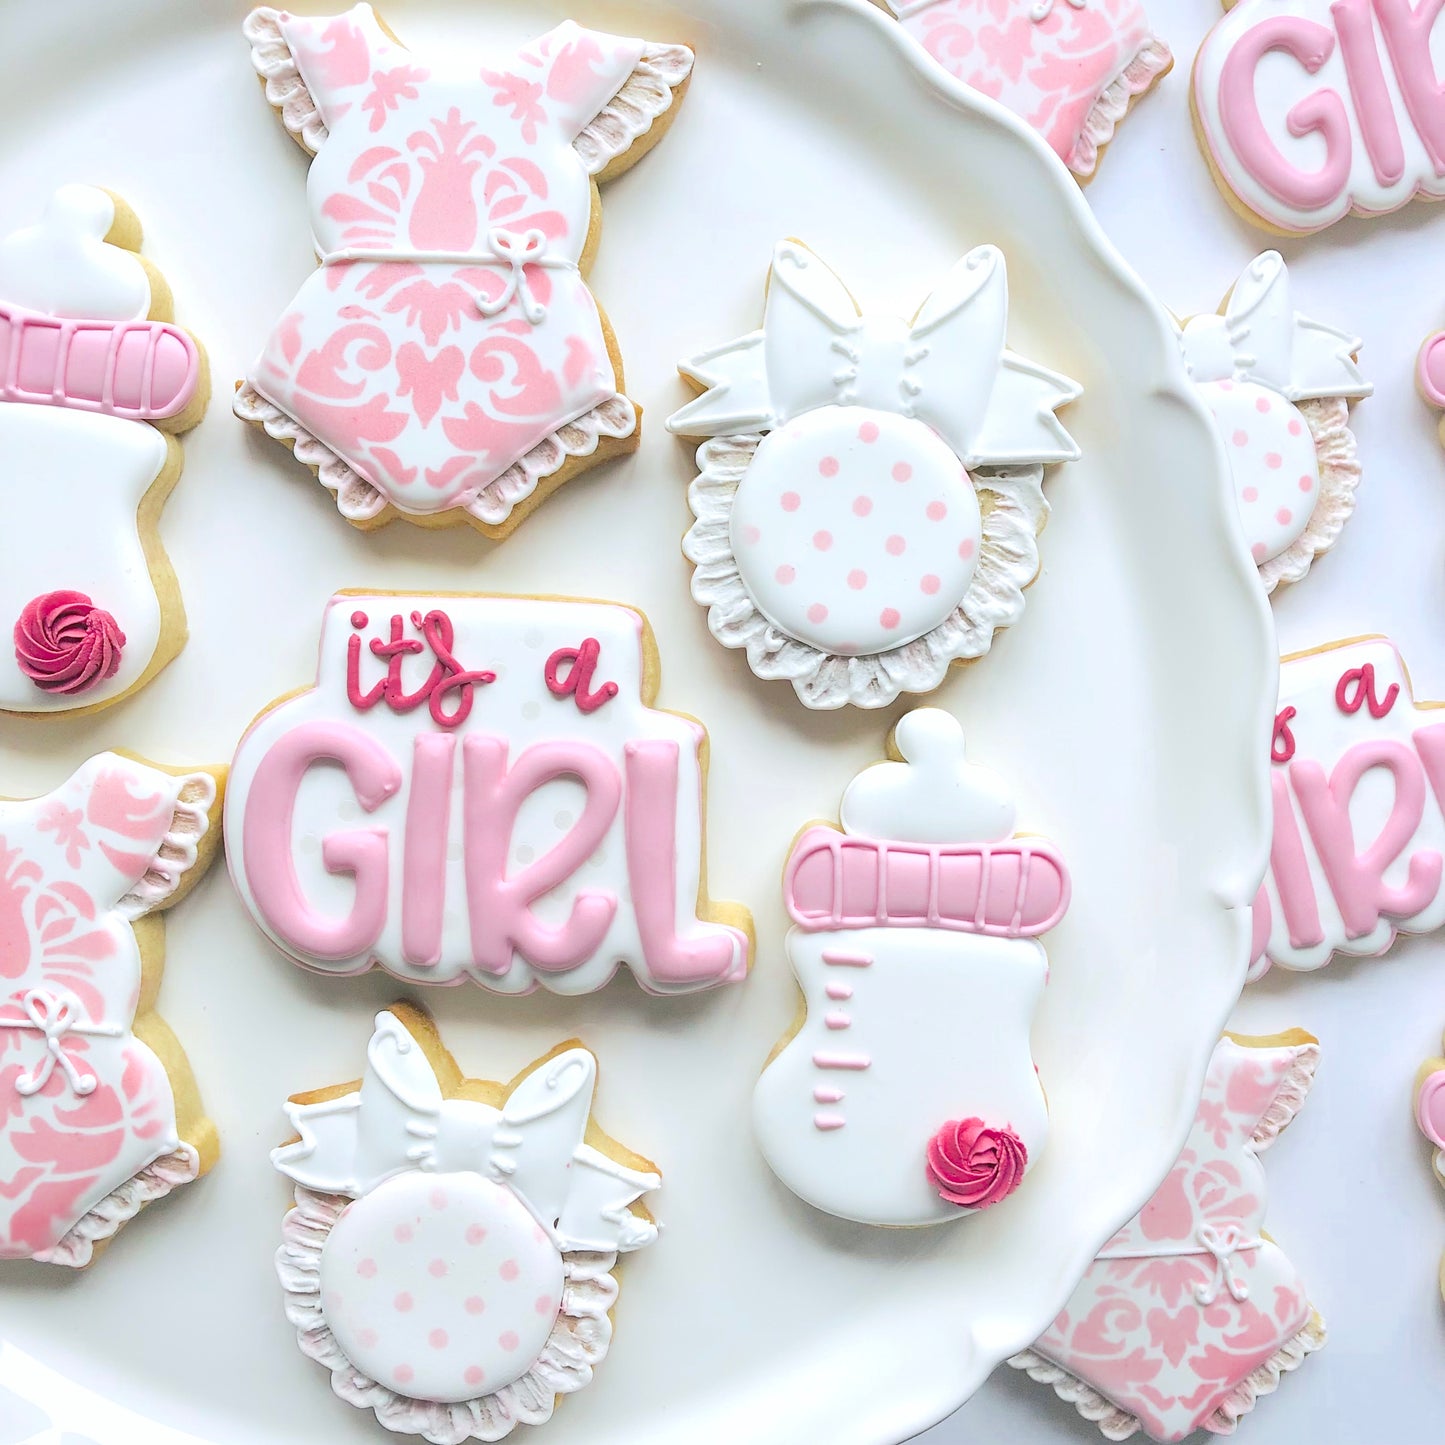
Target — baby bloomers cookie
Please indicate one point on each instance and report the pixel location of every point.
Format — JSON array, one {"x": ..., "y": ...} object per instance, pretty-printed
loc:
[
  {"x": 447, "y": 362},
  {"x": 923, "y": 912},
  {"x": 1279, "y": 387},
  {"x": 1070, "y": 70},
  {"x": 479, "y": 787},
  {"x": 1191, "y": 1311},
  {"x": 99, "y": 1112},
  {"x": 449, "y": 1258},
  {"x": 1358, "y": 780},
  {"x": 96, "y": 383},
  {"x": 869, "y": 507}
]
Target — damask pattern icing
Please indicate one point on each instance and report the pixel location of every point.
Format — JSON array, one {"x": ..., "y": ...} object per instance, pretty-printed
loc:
[
  {"x": 1358, "y": 781},
  {"x": 869, "y": 507},
  {"x": 1279, "y": 387},
  {"x": 98, "y": 1113},
  {"x": 450, "y": 1255},
  {"x": 446, "y": 361},
  {"x": 885, "y": 1105},
  {"x": 1190, "y": 1312},
  {"x": 95, "y": 381},
  {"x": 1069, "y": 68},
  {"x": 479, "y": 788}
]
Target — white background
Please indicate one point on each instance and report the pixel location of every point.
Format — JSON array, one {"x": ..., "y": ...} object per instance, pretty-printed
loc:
[{"x": 1352, "y": 1196}]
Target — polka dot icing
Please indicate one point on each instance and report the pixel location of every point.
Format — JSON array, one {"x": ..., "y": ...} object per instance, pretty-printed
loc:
[
  {"x": 867, "y": 552},
  {"x": 465, "y": 1296},
  {"x": 1272, "y": 461}
]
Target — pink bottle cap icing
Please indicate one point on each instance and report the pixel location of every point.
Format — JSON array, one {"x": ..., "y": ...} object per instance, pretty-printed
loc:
[
  {"x": 141, "y": 370},
  {"x": 64, "y": 643}
]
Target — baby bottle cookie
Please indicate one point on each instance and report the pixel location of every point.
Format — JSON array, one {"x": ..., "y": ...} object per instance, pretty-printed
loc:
[
  {"x": 908, "y": 1094},
  {"x": 449, "y": 1258},
  {"x": 95, "y": 385},
  {"x": 446, "y": 362}
]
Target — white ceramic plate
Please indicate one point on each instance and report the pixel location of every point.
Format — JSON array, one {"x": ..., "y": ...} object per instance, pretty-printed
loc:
[{"x": 1129, "y": 709}]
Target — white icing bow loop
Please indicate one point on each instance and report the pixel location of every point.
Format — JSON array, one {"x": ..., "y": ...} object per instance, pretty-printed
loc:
[
  {"x": 1223, "y": 1243},
  {"x": 516, "y": 250},
  {"x": 53, "y": 1016}
]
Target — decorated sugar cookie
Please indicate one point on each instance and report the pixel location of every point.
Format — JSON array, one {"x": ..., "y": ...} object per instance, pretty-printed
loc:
[
  {"x": 1310, "y": 110},
  {"x": 96, "y": 384},
  {"x": 99, "y": 1114},
  {"x": 868, "y": 511},
  {"x": 1358, "y": 780},
  {"x": 1070, "y": 68},
  {"x": 447, "y": 362},
  {"x": 1191, "y": 1312},
  {"x": 922, "y": 914},
  {"x": 450, "y": 1255},
  {"x": 1430, "y": 374},
  {"x": 480, "y": 788},
  {"x": 1430, "y": 1117},
  {"x": 1279, "y": 387}
]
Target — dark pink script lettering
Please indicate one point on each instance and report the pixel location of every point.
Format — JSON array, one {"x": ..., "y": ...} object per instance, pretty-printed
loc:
[
  {"x": 1362, "y": 681},
  {"x": 581, "y": 665},
  {"x": 1281, "y": 748},
  {"x": 447, "y": 674}
]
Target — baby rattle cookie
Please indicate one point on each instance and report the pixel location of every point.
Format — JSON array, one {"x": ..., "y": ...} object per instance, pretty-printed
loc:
[
  {"x": 869, "y": 507},
  {"x": 883, "y": 1104},
  {"x": 480, "y": 788},
  {"x": 99, "y": 1112},
  {"x": 96, "y": 383},
  {"x": 1071, "y": 69},
  {"x": 449, "y": 1257},
  {"x": 446, "y": 362},
  {"x": 1191, "y": 1311},
  {"x": 1279, "y": 387}
]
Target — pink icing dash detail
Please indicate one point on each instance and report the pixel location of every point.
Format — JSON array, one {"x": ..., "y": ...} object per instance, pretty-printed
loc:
[
  {"x": 838, "y": 1021},
  {"x": 824, "y": 1095},
  {"x": 828, "y": 1122},
  {"x": 840, "y": 991},
  {"x": 841, "y": 958},
  {"x": 855, "y": 1062},
  {"x": 65, "y": 644},
  {"x": 973, "y": 1165}
]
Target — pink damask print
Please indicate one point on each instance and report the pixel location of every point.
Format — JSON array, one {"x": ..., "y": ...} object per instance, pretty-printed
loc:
[
  {"x": 447, "y": 354},
  {"x": 1189, "y": 1313},
  {"x": 1069, "y": 68},
  {"x": 86, "y": 1109}
]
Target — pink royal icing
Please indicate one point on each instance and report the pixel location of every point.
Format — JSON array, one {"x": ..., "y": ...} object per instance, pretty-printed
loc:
[
  {"x": 1430, "y": 1108},
  {"x": 974, "y": 1165},
  {"x": 64, "y": 643}
]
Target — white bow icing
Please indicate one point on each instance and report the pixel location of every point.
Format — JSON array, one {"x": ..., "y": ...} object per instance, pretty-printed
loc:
[
  {"x": 1223, "y": 1244},
  {"x": 398, "y": 1120},
  {"x": 53, "y": 1016},
  {"x": 1261, "y": 338},
  {"x": 949, "y": 367}
]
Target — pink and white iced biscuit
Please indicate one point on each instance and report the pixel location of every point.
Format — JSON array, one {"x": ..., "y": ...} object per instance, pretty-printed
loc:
[
  {"x": 1069, "y": 68},
  {"x": 82, "y": 372},
  {"x": 909, "y": 1095},
  {"x": 448, "y": 1261}
]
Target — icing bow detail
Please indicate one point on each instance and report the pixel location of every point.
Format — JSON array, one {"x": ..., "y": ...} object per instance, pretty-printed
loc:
[
  {"x": 1223, "y": 1243},
  {"x": 54, "y": 1016},
  {"x": 1261, "y": 338},
  {"x": 948, "y": 367},
  {"x": 517, "y": 250}
]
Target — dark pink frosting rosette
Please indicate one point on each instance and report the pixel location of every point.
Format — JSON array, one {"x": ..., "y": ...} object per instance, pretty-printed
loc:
[
  {"x": 65, "y": 644},
  {"x": 973, "y": 1165}
]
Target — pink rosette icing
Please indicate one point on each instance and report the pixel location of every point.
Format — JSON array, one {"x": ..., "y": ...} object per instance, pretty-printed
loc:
[
  {"x": 64, "y": 643},
  {"x": 974, "y": 1165}
]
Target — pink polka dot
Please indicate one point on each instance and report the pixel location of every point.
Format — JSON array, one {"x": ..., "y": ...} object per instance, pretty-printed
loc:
[
  {"x": 1240, "y": 439},
  {"x": 1261, "y": 403},
  {"x": 936, "y": 511},
  {"x": 895, "y": 545},
  {"x": 1306, "y": 484},
  {"x": 1283, "y": 516},
  {"x": 402, "y": 1234},
  {"x": 403, "y": 1303},
  {"x": 829, "y": 466},
  {"x": 437, "y": 1339},
  {"x": 965, "y": 548},
  {"x": 1295, "y": 426},
  {"x": 1226, "y": 386},
  {"x": 751, "y": 535},
  {"x": 822, "y": 540},
  {"x": 437, "y": 1269},
  {"x": 438, "y": 1198},
  {"x": 817, "y": 613},
  {"x": 1250, "y": 494},
  {"x": 1257, "y": 551},
  {"x": 509, "y": 1270},
  {"x": 368, "y": 1339},
  {"x": 862, "y": 506},
  {"x": 785, "y": 574},
  {"x": 367, "y": 1269},
  {"x": 868, "y": 432},
  {"x": 930, "y": 584},
  {"x": 475, "y": 1234},
  {"x": 403, "y": 1374},
  {"x": 475, "y": 1304},
  {"x": 857, "y": 579},
  {"x": 889, "y": 618},
  {"x": 1273, "y": 460},
  {"x": 474, "y": 1375},
  {"x": 901, "y": 471},
  {"x": 508, "y": 1340},
  {"x": 791, "y": 501},
  {"x": 545, "y": 1303}
]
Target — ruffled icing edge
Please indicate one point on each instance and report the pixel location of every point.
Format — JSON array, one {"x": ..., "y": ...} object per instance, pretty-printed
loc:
[
  {"x": 76, "y": 1249},
  {"x": 646, "y": 94},
  {"x": 285, "y": 89},
  {"x": 1014, "y": 510},
  {"x": 1328, "y": 419},
  {"x": 578, "y": 1341},
  {"x": 176, "y": 853},
  {"x": 1152, "y": 60},
  {"x": 1289, "y": 1097}
]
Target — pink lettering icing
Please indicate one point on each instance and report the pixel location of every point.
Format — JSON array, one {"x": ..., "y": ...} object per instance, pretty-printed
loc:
[
  {"x": 1323, "y": 112},
  {"x": 581, "y": 665},
  {"x": 267, "y": 839},
  {"x": 447, "y": 674},
  {"x": 1355, "y": 23},
  {"x": 1281, "y": 748},
  {"x": 424, "y": 869},
  {"x": 1407, "y": 30},
  {"x": 1356, "y": 689},
  {"x": 1291, "y": 871}
]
